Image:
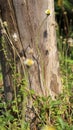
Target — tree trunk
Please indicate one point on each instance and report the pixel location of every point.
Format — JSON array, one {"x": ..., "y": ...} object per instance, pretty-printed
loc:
[
  {"x": 38, "y": 32},
  {"x": 53, "y": 81},
  {"x": 35, "y": 31}
]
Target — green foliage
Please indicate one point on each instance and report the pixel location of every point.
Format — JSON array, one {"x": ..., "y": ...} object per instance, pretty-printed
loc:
[
  {"x": 13, "y": 112},
  {"x": 64, "y": 118},
  {"x": 67, "y": 4},
  {"x": 59, "y": 112}
]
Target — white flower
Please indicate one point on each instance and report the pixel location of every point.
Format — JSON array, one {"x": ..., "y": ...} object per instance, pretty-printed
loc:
[
  {"x": 15, "y": 37},
  {"x": 70, "y": 42}
]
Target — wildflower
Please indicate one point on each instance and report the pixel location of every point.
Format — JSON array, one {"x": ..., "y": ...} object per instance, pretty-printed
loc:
[
  {"x": 64, "y": 41},
  {"x": 46, "y": 127},
  {"x": 61, "y": 37},
  {"x": 15, "y": 37},
  {"x": 65, "y": 12},
  {"x": 70, "y": 42},
  {"x": 5, "y": 24},
  {"x": 47, "y": 12},
  {"x": 29, "y": 62}
]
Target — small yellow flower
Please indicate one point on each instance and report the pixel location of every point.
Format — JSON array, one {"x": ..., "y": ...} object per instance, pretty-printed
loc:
[
  {"x": 46, "y": 127},
  {"x": 47, "y": 12},
  {"x": 29, "y": 62}
]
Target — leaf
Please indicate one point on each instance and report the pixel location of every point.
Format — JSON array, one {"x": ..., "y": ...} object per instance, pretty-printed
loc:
[
  {"x": 69, "y": 60},
  {"x": 2, "y": 128},
  {"x": 61, "y": 122},
  {"x": 32, "y": 92}
]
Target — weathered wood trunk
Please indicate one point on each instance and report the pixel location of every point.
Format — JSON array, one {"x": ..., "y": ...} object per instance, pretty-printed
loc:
[
  {"x": 34, "y": 31},
  {"x": 38, "y": 32}
]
